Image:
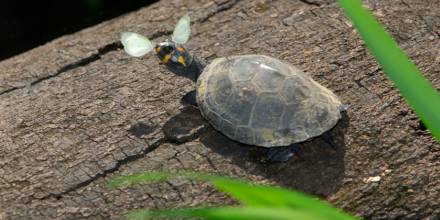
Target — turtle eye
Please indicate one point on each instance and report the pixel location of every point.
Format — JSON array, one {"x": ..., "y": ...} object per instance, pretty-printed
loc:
[{"x": 167, "y": 49}]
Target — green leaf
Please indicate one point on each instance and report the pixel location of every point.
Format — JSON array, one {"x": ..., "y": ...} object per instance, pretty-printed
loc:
[
  {"x": 231, "y": 213},
  {"x": 415, "y": 88}
]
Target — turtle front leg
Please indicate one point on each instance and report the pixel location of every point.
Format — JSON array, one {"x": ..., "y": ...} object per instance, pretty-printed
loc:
[
  {"x": 190, "y": 99},
  {"x": 327, "y": 137},
  {"x": 282, "y": 154}
]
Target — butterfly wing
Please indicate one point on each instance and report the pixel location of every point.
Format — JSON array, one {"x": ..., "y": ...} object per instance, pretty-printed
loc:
[
  {"x": 182, "y": 30},
  {"x": 135, "y": 44}
]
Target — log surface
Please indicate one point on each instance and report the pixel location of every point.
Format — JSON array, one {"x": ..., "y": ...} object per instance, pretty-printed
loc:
[{"x": 78, "y": 111}]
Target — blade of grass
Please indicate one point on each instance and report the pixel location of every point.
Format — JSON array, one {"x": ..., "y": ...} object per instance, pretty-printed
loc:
[
  {"x": 270, "y": 196},
  {"x": 249, "y": 194},
  {"x": 153, "y": 177},
  {"x": 230, "y": 213},
  {"x": 415, "y": 88}
]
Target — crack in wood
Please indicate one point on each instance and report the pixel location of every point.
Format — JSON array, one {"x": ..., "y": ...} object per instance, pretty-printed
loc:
[
  {"x": 221, "y": 7},
  {"x": 80, "y": 63},
  {"x": 104, "y": 173},
  {"x": 309, "y": 2},
  {"x": 119, "y": 163},
  {"x": 131, "y": 158}
]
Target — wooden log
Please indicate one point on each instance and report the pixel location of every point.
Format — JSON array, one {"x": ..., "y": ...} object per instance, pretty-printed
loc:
[{"x": 78, "y": 111}]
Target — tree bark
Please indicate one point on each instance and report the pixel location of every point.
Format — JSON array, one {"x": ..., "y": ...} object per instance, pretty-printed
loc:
[{"x": 78, "y": 111}]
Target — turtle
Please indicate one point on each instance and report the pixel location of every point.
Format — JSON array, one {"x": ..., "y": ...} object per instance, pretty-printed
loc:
[{"x": 253, "y": 99}]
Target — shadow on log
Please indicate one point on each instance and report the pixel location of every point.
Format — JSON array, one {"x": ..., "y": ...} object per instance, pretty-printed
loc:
[{"x": 317, "y": 169}]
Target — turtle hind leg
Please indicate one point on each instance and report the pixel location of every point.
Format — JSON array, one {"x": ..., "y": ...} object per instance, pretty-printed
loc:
[
  {"x": 328, "y": 138},
  {"x": 189, "y": 99},
  {"x": 282, "y": 154}
]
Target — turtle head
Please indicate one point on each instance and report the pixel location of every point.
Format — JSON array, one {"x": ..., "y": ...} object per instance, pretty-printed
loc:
[
  {"x": 174, "y": 56},
  {"x": 170, "y": 52}
]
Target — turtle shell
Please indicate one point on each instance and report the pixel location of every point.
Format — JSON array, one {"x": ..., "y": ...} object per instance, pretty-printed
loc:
[{"x": 260, "y": 100}]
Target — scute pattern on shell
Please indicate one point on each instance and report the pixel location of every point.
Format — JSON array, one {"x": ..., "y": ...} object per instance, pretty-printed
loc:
[{"x": 259, "y": 100}]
